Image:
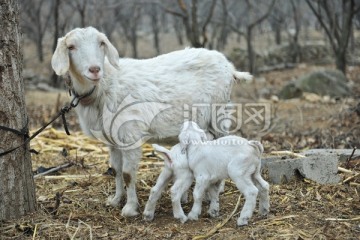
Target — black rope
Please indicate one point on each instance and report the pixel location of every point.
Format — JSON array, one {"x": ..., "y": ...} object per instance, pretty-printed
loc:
[{"x": 74, "y": 102}]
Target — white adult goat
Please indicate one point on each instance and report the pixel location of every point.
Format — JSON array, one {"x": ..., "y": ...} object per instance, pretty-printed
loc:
[
  {"x": 211, "y": 162},
  {"x": 181, "y": 77}
]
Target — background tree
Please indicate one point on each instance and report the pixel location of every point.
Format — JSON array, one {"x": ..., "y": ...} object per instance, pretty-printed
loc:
[
  {"x": 153, "y": 12},
  {"x": 81, "y": 6},
  {"x": 256, "y": 14},
  {"x": 128, "y": 14},
  {"x": 196, "y": 16},
  {"x": 294, "y": 33},
  {"x": 335, "y": 17},
  {"x": 17, "y": 189},
  {"x": 36, "y": 16},
  {"x": 277, "y": 19}
]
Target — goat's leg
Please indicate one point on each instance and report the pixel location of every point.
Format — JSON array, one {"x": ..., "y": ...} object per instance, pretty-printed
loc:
[
  {"x": 242, "y": 178},
  {"x": 185, "y": 197},
  {"x": 116, "y": 164},
  {"x": 155, "y": 193},
  {"x": 181, "y": 185},
  {"x": 214, "y": 191},
  {"x": 131, "y": 159},
  {"x": 202, "y": 183},
  {"x": 263, "y": 186},
  {"x": 221, "y": 189}
]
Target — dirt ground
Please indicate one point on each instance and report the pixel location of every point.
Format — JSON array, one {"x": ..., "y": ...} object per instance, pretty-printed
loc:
[{"x": 71, "y": 203}]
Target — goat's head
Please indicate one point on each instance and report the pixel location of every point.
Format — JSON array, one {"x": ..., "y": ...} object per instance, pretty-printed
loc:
[
  {"x": 191, "y": 133},
  {"x": 82, "y": 51}
]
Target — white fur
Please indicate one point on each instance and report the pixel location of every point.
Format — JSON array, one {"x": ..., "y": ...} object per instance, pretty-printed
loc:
[
  {"x": 177, "y": 78},
  {"x": 191, "y": 133},
  {"x": 210, "y": 163}
]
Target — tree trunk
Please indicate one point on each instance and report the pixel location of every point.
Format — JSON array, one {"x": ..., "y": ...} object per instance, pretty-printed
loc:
[
  {"x": 155, "y": 25},
  {"x": 250, "y": 50},
  {"x": 39, "y": 48},
  {"x": 55, "y": 78},
  {"x": 340, "y": 61},
  {"x": 178, "y": 31},
  {"x": 277, "y": 31},
  {"x": 133, "y": 40},
  {"x": 17, "y": 189}
]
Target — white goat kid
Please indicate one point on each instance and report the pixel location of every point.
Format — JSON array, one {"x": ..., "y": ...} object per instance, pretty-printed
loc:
[
  {"x": 181, "y": 77},
  {"x": 210, "y": 163},
  {"x": 233, "y": 157},
  {"x": 177, "y": 169}
]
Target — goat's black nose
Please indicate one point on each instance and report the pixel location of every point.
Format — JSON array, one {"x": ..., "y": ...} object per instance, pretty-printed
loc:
[{"x": 94, "y": 69}]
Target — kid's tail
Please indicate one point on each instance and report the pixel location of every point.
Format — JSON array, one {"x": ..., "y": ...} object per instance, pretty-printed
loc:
[{"x": 257, "y": 145}]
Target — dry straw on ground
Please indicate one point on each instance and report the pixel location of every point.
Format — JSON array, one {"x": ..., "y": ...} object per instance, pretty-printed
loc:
[{"x": 72, "y": 202}]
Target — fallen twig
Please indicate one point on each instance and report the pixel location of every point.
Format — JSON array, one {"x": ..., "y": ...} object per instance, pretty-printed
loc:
[
  {"x": 71, "y": 177},
  {"x": 344, "y": 170},
  {"x": 349, "y": 159},
  {"x": 35, "y": 232},
  {"x": 343, "y": 219},
  {"x": 292, "y": 154},
  {"x": 351, "y": 178},
  {"x": 55, "y": 169},
  {"x": 57, "y": 203}
]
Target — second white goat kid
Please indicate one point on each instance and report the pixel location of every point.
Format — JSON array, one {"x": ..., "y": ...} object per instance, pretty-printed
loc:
[
  {"x": 133, "y": 100},
  {"x": 178, "y": 170},
  {"x": 211, "y": 162}
]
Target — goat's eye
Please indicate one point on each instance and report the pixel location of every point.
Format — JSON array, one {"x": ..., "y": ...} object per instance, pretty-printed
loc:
[
  {"x": 102, "y": 44},
  {"x": 71, "y": 47}
]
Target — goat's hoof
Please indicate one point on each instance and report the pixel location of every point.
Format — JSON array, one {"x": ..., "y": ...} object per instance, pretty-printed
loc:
[
  {"x": 113, "y": 201},
  {"x": 129, "y": 210},
  {"x": 182, "y": 219},
  {"x": 213, "y": 213},
  {"x": 242, "y": 222},
  {"x": 148, "y": 216},
  {"x": 193, "y": 216},
  {"x": 263, "y": 211}
]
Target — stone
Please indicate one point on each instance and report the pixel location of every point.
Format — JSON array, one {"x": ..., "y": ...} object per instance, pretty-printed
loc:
[
  {"x": 319, "y": 165},
  {"x": 326, "y": 82},
  {"x": 290, "y": 90}
]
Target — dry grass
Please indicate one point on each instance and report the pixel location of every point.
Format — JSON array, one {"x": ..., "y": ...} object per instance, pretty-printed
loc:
[{"x": 71, "y": 204}]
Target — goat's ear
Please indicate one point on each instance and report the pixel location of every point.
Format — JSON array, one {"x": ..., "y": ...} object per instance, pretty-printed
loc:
[
  {"x": 203, "y": 137},
  {"x": 110, "y": 51},
  {"x": 60, "y": 61},
  {"x": 165, "y": 153},
  {"x": 183, "y": 147},
  {"x": 183, "y": 141}
]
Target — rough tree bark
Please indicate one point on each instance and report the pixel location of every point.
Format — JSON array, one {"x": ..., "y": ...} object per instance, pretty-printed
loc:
[{"x": 17, "y": 189}]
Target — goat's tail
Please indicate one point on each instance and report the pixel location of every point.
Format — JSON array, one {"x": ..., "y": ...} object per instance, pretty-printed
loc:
[
  {"x": 258, "y": 146},
  {"x": 243, "y": 76}
]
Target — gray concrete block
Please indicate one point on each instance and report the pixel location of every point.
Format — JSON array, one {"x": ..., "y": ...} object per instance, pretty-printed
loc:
[
  {"x": 320, "y": 168},
  {"x": 282, "y": 170},
  {"x": 342, "y": 154},
  {"x": 319, "y": 165}
]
